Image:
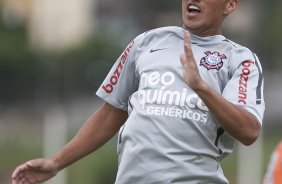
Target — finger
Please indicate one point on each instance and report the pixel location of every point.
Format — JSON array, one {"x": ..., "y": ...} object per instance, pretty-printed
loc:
[
  {"x": 20, "y": 169},
  {"x": 33, "y": 177},
  {"x": 187, "y": 45},
  {"x": 26, "y": 181},
  {"x": 183, "y": 60},
  {"x": 17, "y": 172},
  {"x": 15, "y": 181}
]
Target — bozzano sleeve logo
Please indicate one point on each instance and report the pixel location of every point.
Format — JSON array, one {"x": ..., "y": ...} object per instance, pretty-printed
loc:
[
  {"x": 243, "y": 82},
  {"x": 109, "y": 87}
]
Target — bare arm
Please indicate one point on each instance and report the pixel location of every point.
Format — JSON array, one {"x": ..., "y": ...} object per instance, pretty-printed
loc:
[
  {"x": 238, "y": 122},
  {"x": 97, "y": 130}
]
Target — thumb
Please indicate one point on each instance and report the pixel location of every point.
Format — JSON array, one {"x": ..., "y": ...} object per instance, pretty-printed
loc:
[
  {"x": 41, "y": 164},
  {"x": 37, "y": 163}
]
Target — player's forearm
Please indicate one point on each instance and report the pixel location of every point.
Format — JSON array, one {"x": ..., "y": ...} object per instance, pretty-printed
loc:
[
  {"x": 238, "y": 122},
  {"x": 96, "y": 131}
]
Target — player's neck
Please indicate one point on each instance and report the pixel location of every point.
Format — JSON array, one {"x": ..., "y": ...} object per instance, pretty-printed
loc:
[{"x": 204, "y": 32}]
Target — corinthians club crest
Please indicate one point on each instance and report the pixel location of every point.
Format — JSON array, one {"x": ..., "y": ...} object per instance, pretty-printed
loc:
[{"x": 212, "y": 60}]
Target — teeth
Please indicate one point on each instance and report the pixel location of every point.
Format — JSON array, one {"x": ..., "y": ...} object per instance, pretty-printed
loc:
[{"x": 194, "y": 7}]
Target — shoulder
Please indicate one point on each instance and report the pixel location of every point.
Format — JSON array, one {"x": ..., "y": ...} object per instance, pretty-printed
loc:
[
  {"x": 238, "y": 49},
  {"x": 239, "y": 53}
]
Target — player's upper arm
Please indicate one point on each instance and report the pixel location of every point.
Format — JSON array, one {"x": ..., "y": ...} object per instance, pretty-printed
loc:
[{"x": 245, "y": 87}]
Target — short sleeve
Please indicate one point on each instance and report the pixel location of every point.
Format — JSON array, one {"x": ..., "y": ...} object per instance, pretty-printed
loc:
[
  {"x": 121, "y": 82},
  {"x": 245, "y": 88}
]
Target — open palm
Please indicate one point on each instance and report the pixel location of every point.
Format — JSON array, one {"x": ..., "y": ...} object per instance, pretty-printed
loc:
[{"x": 34, "y": 171}]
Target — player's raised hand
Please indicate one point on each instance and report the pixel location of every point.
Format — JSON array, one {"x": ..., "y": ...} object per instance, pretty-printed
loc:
[
  {"x": 34, "y": 171},
  {"x": 190, "y": 70}
]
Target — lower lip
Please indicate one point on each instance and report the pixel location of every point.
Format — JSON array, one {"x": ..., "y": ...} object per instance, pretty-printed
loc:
[{"x": 192, "y": 14}]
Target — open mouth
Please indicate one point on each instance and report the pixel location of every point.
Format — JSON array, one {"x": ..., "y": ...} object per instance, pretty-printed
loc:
[{"x": 192, "y": 8}]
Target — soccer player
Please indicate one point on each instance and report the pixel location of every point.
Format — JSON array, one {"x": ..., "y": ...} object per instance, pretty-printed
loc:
[
  {"x": 180, "y": 96},
  {"x": 274, "y": 171}
]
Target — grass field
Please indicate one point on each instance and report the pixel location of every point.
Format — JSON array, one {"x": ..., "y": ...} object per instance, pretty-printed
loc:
[
  {"x": 21, "y": 140},
  {"x": 100, "y": 167}
]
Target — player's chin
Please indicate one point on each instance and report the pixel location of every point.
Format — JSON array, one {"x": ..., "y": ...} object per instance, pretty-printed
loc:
[
  {"x": 191, "y": 27},
  {"x": 190, "y": 24}
]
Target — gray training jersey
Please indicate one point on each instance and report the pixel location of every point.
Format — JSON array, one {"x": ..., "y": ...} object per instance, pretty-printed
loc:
[{"x": 170, "y": 135}]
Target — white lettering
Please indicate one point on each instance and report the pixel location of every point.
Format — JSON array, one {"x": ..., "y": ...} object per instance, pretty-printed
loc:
[
  {"x": 154, "y": 78},
  {"x": 177, "y": 113},
  {"x": 170, "y": 76},
  {"x": 179, "y": 104}
]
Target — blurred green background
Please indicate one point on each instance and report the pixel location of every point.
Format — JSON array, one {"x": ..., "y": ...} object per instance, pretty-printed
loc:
[{"x": 55, "y": 54}]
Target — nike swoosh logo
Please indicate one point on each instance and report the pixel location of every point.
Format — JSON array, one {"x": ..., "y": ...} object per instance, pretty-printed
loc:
[{"x": 155, "y": 50}]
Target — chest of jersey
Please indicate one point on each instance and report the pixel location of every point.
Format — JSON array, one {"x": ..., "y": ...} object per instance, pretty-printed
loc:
[{"x": 158, "y": 66}]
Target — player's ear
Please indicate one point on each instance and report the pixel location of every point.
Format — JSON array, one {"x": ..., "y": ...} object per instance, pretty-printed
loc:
[{"x": 231, "y": 5}]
